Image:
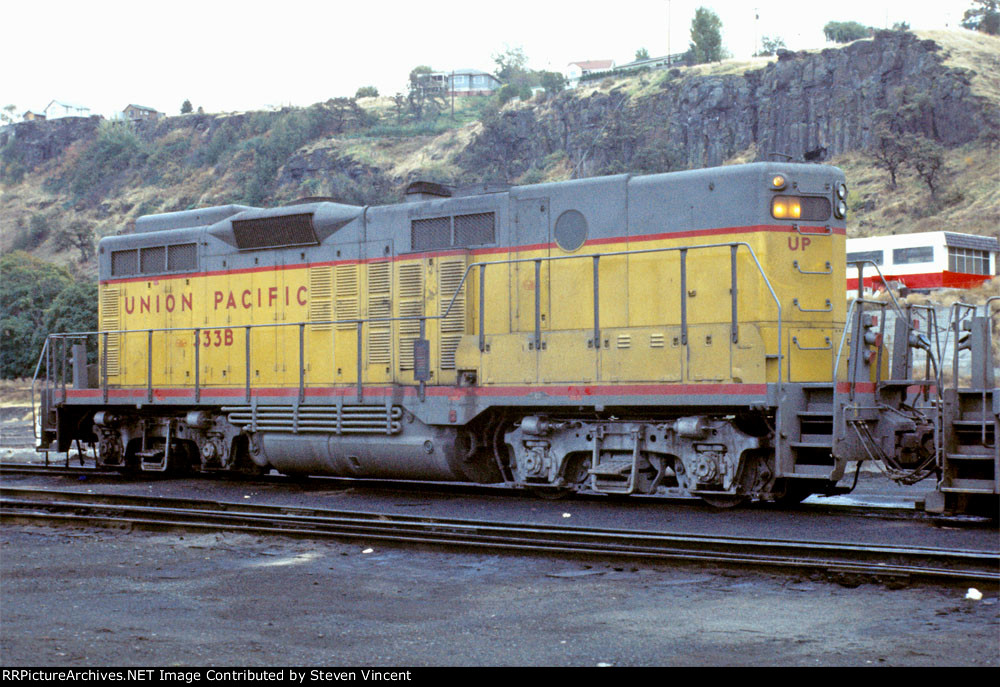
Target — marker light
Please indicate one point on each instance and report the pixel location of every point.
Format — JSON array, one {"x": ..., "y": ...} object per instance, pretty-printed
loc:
[{"x": 778, "y": 182}]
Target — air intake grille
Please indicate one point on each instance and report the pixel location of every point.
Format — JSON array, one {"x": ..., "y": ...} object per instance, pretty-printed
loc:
[
  {"x": 183, "y": 256},
  {"x": 431, "y": 233},
  {"x": 124, "y": 262},
  {"x": 110, "y": 320},
  {"x": 472, "y": 230},
  {"x": 274, "y": 232},
  {"x": 153, "y": 260}
]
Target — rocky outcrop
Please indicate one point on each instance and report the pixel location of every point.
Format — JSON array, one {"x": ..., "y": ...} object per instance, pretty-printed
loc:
[
  {"x": 323, "y": 172},
  {"x": 38, "y": 142},
  {"x": 823, "y": 102}
]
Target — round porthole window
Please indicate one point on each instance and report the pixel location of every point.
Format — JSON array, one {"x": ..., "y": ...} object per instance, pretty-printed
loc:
[{"x": 571, "y": 230}]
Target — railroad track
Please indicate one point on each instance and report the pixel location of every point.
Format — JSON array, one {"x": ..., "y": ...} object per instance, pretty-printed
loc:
[
  {"x": 835, "y": 558},
  {"x": 464, "y": 488}
]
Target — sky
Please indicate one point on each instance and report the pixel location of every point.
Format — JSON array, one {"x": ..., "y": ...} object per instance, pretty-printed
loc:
[{"x": 231, "y": 56}]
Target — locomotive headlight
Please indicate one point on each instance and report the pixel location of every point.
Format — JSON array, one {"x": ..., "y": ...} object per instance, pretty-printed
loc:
[
  {"x": 786, "y": 207},
  {"x": 840, "y": 209},
  {"x": 778, "y": 182},
  {"x": 842, "y": 191}
]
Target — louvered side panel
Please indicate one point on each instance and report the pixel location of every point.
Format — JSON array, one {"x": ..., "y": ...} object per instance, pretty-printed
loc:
[
  {"x": 110, "y": 320},
  {"x": 379, "y": 305},
  {"x": 346, "y": 277},
  {"x": 411, "y": 304},
  {"x": 321, "y": 297},
  {"x": 452, "y": 326}
]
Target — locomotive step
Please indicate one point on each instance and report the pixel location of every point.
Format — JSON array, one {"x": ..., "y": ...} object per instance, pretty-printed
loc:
[
  {"x": 612, "y": 468},
  {"x": 970, "y": 486},
  {"x": 969, "y": 456},
  {"x": 824, "y": 442},
  {"x": 906, "y": 382}
]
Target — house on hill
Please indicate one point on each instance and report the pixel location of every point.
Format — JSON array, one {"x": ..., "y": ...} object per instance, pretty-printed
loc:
[
  {"x": 58, "y": 109},
  {"x": 459, "y": 82},
  {"x": 140, "y": 113},
  {"x": 575, "y": 70},
  {"x": 32, "y": 116}
]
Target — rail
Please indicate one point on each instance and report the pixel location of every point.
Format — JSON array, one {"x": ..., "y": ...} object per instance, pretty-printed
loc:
[{"x": 60, "y": 341}]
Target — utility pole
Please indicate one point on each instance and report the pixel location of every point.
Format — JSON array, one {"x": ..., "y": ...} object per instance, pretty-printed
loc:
[
  {"x": 668, "y": 33},
  {"x": 756, "y": 17}
]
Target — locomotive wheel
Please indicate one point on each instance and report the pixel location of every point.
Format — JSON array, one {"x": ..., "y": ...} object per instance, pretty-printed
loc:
[{"x": 723, "y": 501}]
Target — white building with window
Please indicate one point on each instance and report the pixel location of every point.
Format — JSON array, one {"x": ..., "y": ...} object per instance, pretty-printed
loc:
[
  {"x": 58, "y": 109},
  {"x": 933, "y": 260}
]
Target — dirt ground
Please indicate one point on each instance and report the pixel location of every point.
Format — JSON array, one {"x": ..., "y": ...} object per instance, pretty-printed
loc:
[{"x": 92, "y": 597}]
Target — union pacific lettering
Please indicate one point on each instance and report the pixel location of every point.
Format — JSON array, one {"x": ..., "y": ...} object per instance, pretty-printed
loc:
[
  {"x": 246, "y": 299},
  {"x": 224, "y": 300},
  {"x": 152, "y": 303}
]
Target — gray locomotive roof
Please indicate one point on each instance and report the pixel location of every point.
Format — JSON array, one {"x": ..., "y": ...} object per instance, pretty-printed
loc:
[{"x": 187, "y": 218}]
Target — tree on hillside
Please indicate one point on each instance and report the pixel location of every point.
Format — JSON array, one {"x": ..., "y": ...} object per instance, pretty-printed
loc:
[
  {"x": 366, "y": 92},
  {"x": 927, "y": 159},
  {"x": 425, "y": 98},
  {"x": 641, "y": 54},
  {"x": 770, "y": 46},
  {"x": 30, "y": 286},
  {"x": 706, "y": 37},
  {"x": 79, "y": 235},
  {"x": 983, "y": 16},
  {"x": 7, "y": 115},
  {"x": 512, "y": 64},
  {"x": 75, "y": 310},
  {"x": 845, "y": 31},
  {"x": 552, "y": 82},
  {"x": 187, "y": 107}
]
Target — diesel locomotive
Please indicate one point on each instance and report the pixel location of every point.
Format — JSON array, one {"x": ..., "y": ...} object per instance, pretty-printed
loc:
[{"x": 623, "y": 334}]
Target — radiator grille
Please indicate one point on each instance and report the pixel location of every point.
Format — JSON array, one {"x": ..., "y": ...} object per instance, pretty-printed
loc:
[{"x": 274, "y": 232}]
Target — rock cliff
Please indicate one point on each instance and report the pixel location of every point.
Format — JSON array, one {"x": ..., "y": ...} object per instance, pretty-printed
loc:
[{"x": 804, "y": 102}]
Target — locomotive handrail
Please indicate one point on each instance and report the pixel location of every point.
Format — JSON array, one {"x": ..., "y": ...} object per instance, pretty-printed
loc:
[
  {"x": 360, "y": 322},
  {"x": 956, "y": 313},
  {"x": 34, "y": 378},
  {"x": 852, "y": 373}
]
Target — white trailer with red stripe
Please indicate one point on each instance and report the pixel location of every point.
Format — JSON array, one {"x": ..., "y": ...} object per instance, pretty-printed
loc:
[{"x": 930, "y": 260}]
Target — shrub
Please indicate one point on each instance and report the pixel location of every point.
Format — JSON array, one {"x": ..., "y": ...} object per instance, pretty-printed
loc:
[{"x": 116, "y": 148}]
